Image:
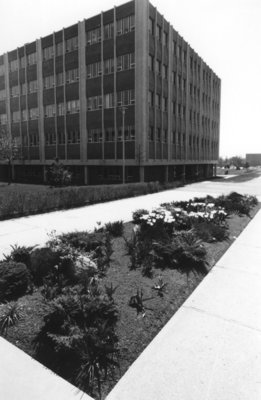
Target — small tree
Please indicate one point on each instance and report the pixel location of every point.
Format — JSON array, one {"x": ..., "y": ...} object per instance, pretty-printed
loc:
[
  {"x": 58, "y": 175},
  {"x": 9, "y": 151}
]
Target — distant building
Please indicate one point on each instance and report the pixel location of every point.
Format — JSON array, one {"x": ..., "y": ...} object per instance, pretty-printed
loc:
[
  {"x": 63, "y": 96},
  {"x": 253, "y": 159}
]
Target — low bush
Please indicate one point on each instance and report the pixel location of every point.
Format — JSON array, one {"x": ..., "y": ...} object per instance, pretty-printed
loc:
[
  {"x": 78, "y": 339},
  {"x": 136, "y": 215},
  {"x": 114, "y": 228},
  {"x": 184, "y": 252},
  {"x": 20, "y": 254},
  {"x": 211, "y": 232},
  {"x": 14, "y": 280},
  {"x": 237, "y": 203},
  {"x": 43, "y": 261}
]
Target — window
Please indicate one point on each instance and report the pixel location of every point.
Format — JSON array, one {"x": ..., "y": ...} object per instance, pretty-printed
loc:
[
  {"x": 109, "y": 100},
  {"x": 23, "y": 88},
  {"x": 125, "y": 25},
  {"x": 151, "y": 134},
  {"x": 94, "y": 70},
  {"x": 184, "y": 84},
  {"x": 32, "y": 86},
  {"x": 73, "y": 136},
  {"x": 50, "y": 138},
  {"x": 108, "y": 66},
  {"x": 2, "y": 69},
  {"x": 13, "y": 65},
  {"x": 60, "y": 79},
  {"x": 151, "y": 26},
  {"x": 158, "y": 32},
  {"x": 151, "y": 63},
  {"x": 61, "y": 137},
  {"x": 94, "y": 103},
  {"x": 31, "y": 58},
  {"x": 24, "y": 115},
  {"x": 174, "y": 47},
  {"x": 165, "y": 104},
  {"x": 165, "y": 39},
  {"x": 14, "y": 91},
  {"x": 71, "y": 44},
  {"x": 95, "y": 135},
  {"x": 16, "y": 116},
  {"x": 165, "y": 71},
  {"x": 151, "y": 98},
  {"x": 60, "y": 109},
  {"x": 72, "y": 75},
  {"x": 48, "y": 52},
  {"x": 33, "y": 113},
  {"x": 173, "y": 137},
  {"x": 3, "y": 119},
  {"x": 157, "y": 101},
  {"x": 165, "y": 136},
  {"x": 158, "y": 67},
  {"x": 125, "y": 98},
  {"x": 158, "y": 134},
  {"x": 73, "y": 106},
  {"x": 125, "y": 62},
  {"x": 109, "y": 135},
  {"x": 59, "y": 49},
  {"x": 49, "y": 110},
  {"x": 108, "y": 31},
  {"x": 48, "y": 82},
  {"x": 93, "y": 36},
  {"x": 33, "y": 139},
  {"x": 2, "y": 94}
]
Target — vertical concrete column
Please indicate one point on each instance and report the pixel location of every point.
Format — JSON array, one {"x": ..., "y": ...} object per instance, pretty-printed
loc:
[
  {"x": 102, "y": 89},
  {"x": 183, "y": 175},
  {"x": 82, "y": 91},
  {"x": 40, "y": 101},
  {"x": 64, "y": 96},
  {"x": 170, "y": 92},
  {"x": 115, "y": 82},
  {"x": 141, "y": 78},
  {"x": 7, "y": 89}
]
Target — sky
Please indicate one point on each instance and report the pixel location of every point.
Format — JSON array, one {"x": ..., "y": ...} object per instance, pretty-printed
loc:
[{"x": 225, "y": 33}]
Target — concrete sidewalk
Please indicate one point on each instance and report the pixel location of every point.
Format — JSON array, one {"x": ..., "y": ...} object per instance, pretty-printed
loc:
[
  {"x": 32, "y": 230},
  {"x": 211, "y": 348}
]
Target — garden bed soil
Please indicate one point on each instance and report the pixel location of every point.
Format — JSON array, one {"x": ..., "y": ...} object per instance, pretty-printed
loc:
[{"x": 135, "y": 331}]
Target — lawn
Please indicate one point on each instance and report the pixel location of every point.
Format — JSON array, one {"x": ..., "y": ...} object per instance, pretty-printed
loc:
[{"x": 134, "y": 329}]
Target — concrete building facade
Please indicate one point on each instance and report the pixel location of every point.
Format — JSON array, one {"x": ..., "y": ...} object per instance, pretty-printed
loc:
[
  {"x": 253, "y": 159},
  {"x": 121, "y": 93}
]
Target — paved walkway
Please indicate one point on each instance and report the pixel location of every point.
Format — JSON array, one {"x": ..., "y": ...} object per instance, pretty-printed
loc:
[{"x": 34, "y": 229}]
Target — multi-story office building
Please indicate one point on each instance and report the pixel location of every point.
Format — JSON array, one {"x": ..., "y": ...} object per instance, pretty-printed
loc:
[{"x": 72, "y": 94}]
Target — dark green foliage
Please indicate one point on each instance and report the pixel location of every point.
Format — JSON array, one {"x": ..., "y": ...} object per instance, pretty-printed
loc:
[
  {"x": 110, "y": 290},
  {"x": 210, "y": 232},
  {"x": 14, "y": 280},
  {"x": 185, "y": 253},
  {"x": 20, "y": 254},
  {"x": 58, "y": 175},
  {"x": 136, "y": 215},
  {"x": 43, "y": 261},
  {"x": 237, "y": 203},
  {"x": 78, "y": 339},
  {"x": 160, "y": 286},
  {"x": 139, "y": 249},
  {"x": 9, "y": 317},
  {"x": 114, "y": 228},
  {"x": 137, "y": 301}
]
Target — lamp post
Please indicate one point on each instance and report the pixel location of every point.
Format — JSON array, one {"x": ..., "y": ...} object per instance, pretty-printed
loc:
[{"x": 123, "y": 109}]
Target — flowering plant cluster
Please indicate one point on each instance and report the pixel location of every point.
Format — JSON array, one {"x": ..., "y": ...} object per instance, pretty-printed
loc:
[{"x": 159, "y": 214}]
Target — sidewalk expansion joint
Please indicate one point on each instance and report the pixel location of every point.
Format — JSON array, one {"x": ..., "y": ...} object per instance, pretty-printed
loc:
[{"x": 230, "y": 320}]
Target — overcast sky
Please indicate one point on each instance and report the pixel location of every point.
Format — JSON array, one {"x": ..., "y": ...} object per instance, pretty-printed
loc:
[{"x": 225, "y": 33}]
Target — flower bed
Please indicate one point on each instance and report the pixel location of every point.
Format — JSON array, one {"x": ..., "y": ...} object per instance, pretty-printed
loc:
[{"x": 96, "y": 300}]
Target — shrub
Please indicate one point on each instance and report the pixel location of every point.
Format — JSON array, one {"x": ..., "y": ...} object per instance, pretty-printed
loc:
[
  {"x": 78, "y": 338},
  {"x": 114, "y": 228},
  {"x": 14, "y": 280},
  {"x": 185, "y": 253},
  {"x": 43, "y": 261},
  {"x": 139, "y": 249},
  {"x": 58, "y": 175},
  {"x": 237, "y": 203},
  {"x": 10, "y": 315},
  {"x": 136, "y": 215},
  {"x": 210, "y": 232},
  {"x": 20, "y": 254}
]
